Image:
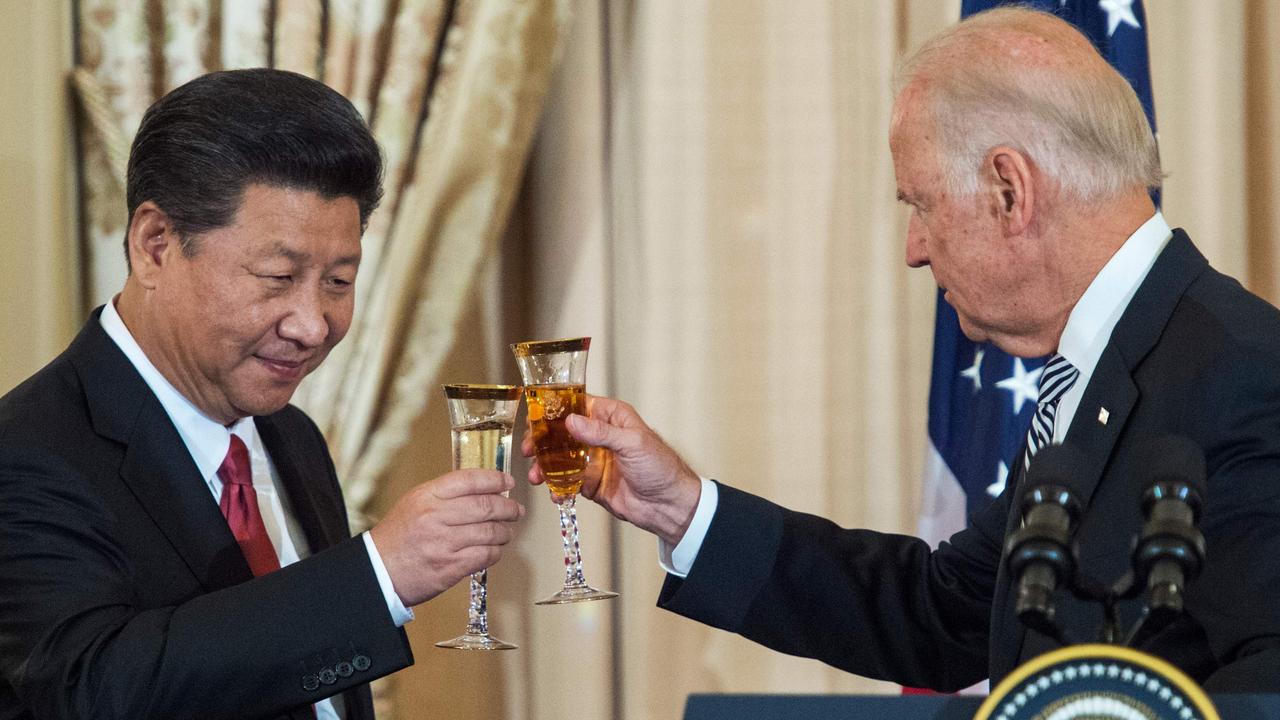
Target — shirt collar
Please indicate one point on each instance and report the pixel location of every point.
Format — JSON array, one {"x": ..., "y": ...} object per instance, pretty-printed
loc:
[
  {"x": 1095, "y": 315},
  {"x": 206, "y": 439}
]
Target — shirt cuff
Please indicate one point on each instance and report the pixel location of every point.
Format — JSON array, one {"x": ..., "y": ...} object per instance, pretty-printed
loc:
[
  {"x": 399, "y": 613},
  {"x": 679, "y": 561}
]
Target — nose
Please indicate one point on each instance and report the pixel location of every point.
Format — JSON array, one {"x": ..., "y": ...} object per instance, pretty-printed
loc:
[
  {"x": 308, "y": 323},
  {"x": 917, "y": 247}
]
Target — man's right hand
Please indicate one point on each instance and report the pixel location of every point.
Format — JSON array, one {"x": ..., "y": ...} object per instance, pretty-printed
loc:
[
  {"x": 445, "y": 529},
  {"x": 633, "y": 473}
]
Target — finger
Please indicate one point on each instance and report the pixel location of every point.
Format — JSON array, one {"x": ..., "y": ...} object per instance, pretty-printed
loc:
[
  {"x": 471, "y": 509},
  {"x": 485, "y": 534},
  {"x": 598, "y": 459},
  {"x": 471, "y": 482},
  {"x": 526, "y": 444},
  {"x": 614, "y": 412},
  {"x": 589, "y": 487},
  {"x": 535, "y": 475},
  {"x": 477, "y": 558},
  {"x": 596, "y": 432}
]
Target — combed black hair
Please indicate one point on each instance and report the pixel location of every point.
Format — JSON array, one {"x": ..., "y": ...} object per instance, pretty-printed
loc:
[{"x": 200, "y": 145}]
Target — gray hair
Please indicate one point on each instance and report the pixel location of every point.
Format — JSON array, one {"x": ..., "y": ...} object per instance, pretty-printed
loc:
[{"x": 1025, "y": 79}]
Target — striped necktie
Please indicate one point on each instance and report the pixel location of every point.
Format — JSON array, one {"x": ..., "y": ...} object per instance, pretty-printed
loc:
[{"x": 1057, "y": 378}]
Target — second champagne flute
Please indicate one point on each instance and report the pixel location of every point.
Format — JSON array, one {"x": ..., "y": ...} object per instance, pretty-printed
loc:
[
  {"x": 481, "y": 418},
  {"x": 555, "y": 377}
]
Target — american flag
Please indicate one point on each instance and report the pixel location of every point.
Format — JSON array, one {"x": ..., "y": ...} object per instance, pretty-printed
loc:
[{"x": 981, "y": 400}]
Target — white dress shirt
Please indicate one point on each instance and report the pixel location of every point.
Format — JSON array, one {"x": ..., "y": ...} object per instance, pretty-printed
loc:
[
  {"x": 208, "y": 441},
  {"x": 1087, "y": 333},
  {"x": 1095, "y": 315}
]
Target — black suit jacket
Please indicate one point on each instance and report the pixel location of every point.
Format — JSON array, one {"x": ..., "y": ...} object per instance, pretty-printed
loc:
[
  {"x": 123, "y": 593},
  {"x": 1194, "y": 354}
]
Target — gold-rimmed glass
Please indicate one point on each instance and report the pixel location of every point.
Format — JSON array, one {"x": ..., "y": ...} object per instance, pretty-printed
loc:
[
  {"x": 481, "y": 418},
  {"x": 554, "y": 373}
]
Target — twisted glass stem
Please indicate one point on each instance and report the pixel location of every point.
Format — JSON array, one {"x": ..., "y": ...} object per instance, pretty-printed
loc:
[
  {"x": 573, "y": 577},
  {"x": 478, "y": 609}
]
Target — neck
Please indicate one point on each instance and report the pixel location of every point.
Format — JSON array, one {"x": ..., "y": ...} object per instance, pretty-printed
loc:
[{"x": 1078, "y": 239}]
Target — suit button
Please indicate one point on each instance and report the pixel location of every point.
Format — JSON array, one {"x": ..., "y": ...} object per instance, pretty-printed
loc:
[
  {"x": 344, "y": 669},
  {"x": 361, "y": 662},
  {"x": 328, "y": 676},
  {"x": 310, "y": 682}
]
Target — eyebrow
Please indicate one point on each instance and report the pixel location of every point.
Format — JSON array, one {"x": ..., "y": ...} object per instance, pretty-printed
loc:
[{"x": 297, "y": 256}]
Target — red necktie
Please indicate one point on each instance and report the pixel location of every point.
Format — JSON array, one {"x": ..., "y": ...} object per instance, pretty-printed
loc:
[{"x": 239, "y": 505}]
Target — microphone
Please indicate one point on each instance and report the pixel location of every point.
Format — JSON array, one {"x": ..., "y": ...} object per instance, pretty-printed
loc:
[
  {"x": 1170, "y": 552},
  {"x": 1040, "y": 554}
]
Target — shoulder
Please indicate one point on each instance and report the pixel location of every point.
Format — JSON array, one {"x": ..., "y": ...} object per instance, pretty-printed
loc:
[
  {"x": 46, "y": 407},
  {"x": 1218, "y": 311}
]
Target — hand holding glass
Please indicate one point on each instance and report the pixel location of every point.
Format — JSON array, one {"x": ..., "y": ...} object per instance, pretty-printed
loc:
[
  {"x": 481, "y": 418},
  {"x": 554, "y": 374}
]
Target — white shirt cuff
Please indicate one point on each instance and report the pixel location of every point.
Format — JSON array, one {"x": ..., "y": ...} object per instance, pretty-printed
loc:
[
  {"x": 679, "y": 561},
  {"x": 399, "y": 613}
]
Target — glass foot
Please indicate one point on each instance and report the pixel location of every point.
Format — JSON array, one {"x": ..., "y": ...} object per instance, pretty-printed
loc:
[
  {"x": 577, "y": 593},
  {"x": 476, "y": 642}
]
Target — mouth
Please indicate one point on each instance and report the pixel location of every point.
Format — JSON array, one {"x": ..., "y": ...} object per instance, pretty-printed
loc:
[{"x": 283, "y": 369}]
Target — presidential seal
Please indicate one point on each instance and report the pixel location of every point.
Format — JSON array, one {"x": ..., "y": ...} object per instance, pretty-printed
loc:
[{"x": 1097, "y": 682}]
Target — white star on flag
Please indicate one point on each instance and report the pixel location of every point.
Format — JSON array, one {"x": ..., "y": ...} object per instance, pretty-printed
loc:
[
  {"x": 1024, "y": 385},
  {"x": 974, "y": 371},
  {"x": 1118, "y": 11},
  {"x": 1002, "y": 476}
]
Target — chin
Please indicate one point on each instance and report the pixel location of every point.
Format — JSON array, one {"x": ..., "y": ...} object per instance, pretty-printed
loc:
[
  {"x": 263, "y": 403},
  {"x": 971, "y": 332}
]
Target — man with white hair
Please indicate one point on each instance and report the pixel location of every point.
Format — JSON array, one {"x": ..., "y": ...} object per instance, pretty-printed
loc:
[{"x": 1026, "y": 161}]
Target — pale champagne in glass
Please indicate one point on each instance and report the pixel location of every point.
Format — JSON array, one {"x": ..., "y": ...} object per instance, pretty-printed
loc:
[{"x": 481, "y": 418}]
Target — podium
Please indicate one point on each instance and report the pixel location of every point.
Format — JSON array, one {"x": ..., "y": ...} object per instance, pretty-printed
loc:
[{"x": 910, "y": 707}]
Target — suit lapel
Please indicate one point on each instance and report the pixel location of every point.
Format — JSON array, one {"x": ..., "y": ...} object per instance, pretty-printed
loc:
[
  {"x": 304, "y": 489},
  {"x": 157, "y": 467},
  {"x": 164, "y": 478},
  {"x": 1111, "y": 388}
]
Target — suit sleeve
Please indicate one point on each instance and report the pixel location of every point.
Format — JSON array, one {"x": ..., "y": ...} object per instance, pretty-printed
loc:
[
  {"x": 880, "y": 605},
  {"x": 76, "y": 642}
]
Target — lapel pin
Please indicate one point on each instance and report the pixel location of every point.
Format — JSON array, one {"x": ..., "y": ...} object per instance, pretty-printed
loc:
[{"x": 1103, "y": 415}]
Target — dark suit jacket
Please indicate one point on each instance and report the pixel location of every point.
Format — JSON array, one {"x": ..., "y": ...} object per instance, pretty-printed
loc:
[
  {"x": 123, "y": 593},
  {"x": 1195, "y": 355}
]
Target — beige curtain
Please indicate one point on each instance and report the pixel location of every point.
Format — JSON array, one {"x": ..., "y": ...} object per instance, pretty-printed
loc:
[
  {"x": 452, "y": 89},
  {"x": 759, "y": 311},
  {"x": 39, "y": 268}
]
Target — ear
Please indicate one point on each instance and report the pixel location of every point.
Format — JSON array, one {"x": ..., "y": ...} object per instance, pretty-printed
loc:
[
  {"x": 152, "y": 243},
  {"x": 1012, "y": 187}
]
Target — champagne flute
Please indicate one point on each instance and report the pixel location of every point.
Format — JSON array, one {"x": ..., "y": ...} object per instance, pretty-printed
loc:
[
  {"x": 554, "y": 373},
  {"x": 481, "y": 418}
]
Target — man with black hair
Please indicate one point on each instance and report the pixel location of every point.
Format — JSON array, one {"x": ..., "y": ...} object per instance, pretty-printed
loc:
[{"x": 173, "y": 539}]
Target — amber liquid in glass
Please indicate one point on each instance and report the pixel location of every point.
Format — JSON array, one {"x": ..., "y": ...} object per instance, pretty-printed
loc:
[{"x": 562, "y": 458}]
